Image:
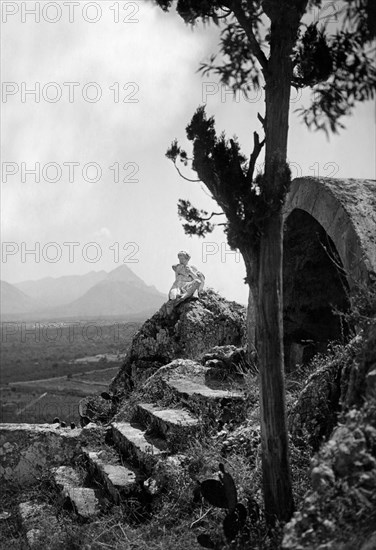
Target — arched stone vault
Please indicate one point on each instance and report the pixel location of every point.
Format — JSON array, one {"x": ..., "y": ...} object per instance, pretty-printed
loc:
[
  {"x": 329, "y": 247},
  {"x": 346, "y": 209}
]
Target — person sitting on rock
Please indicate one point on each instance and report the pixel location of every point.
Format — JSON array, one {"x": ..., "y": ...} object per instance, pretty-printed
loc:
[{"x": 188, "y": 280}]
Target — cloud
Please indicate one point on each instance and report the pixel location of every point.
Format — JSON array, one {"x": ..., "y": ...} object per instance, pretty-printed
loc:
[
  {"x": 103, "y": 232},
  {"x": 160, "y": 55}
]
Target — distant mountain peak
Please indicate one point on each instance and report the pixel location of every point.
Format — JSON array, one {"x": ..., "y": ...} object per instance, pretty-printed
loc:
[
  {"x": 119, "y": 292},
  {"x": 123, "y": 273}
]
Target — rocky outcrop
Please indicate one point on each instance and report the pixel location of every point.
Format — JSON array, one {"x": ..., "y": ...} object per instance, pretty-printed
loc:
[
  {"x": 225, "y": 360},
  {"x": 343, "y": 480},
  {"x": 26, "y": 450},
  {"x": 362, "y": 381},
  {"x": 345, "y": 378},
  {"x": 193, "y": 328},
  {"x": 315, "y": 412},
  {"x": 199, "y": 388}
]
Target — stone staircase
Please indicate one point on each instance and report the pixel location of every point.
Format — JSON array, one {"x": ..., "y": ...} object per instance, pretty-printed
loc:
[{"x": 117, "y": 463}]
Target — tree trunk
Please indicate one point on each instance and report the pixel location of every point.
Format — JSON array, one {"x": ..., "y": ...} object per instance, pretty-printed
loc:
[
  {"x": 269, "y": 337},
  {"x": 269, "y": 306},
  {"x": 251, "y": 261}
]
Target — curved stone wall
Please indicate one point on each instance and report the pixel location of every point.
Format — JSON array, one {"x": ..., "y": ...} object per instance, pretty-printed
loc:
[
  {"x": 346, "y": 209},
  {"x": 329, "y": 247}
]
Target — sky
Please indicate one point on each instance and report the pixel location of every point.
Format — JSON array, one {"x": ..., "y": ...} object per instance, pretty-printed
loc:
[{"x": 93, "y": 93}]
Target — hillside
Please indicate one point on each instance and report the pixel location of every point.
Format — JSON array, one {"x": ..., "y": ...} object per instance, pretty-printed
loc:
[
  {"x": 96, "y": 294},
  {"x": 55, "y": 291},
  {"x": 109, "y": 298},
  {"x": 14, "y": 300}
]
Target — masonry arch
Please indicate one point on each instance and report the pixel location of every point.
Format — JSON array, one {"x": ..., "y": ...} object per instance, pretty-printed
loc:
[{"x": 329, "y": 247}]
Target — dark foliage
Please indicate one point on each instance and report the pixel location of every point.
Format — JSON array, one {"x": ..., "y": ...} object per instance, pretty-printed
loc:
[
  {"x": 337, "y": 67},
  {"x": 197, "y": 220},
  {"x": 245, "y": 202},
  {"x": 237, "y": 66},
  {"x": 313, "y": 58}
]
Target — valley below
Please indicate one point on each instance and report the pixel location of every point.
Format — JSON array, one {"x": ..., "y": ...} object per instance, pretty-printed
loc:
[{"x": 47, "y": 368}]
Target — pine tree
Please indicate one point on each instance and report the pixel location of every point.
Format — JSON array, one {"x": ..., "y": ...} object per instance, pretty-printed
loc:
[{"x": 267, "y": 43}]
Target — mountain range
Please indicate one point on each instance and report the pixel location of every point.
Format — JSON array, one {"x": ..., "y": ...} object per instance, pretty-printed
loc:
[{"x": 98, "y": 293}]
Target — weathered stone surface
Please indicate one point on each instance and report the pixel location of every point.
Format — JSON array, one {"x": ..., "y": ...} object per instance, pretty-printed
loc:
[
  {"x": 322, "y": 476},
  {"x": 189, "y": 379},
  {"x": 370, "y": 543},
  {"x": 230, "y": 361},
  {"x": 343, "y": 481},
  {"x": 93, "y": 435},
  {"x": 229, "y": 355},
  {"x": 371, "y": 383},
  {"x": 316, "y": 409},
  {"x": 315, "y": 412},
  {"x": 344, "y": 379},
  {"x": 83, "y": 499},
  {"x": 132, "y": 440},
  {"x": 169, "y": 474},
  {"x": 66, "y": 476},
  {"x": 167, "y": 421},
  {"x": 362, "y": 381},
  {"x": 27, "y": 450},
  {"x": 244, "y": 440},
  {"x": 118, "y": 479},
  {"x": 194, "y": 327},
  {"x": 346, "y": 209},
  {"x": 191, "y": 384},
  {"x": 37, "y": 520},
  {"x": 185, "y": 387},
  {"x": 95, "y": 409}
]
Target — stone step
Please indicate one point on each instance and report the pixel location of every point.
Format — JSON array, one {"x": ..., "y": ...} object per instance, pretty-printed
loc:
[
  {"x": 208, "y": 400},
  {"x": 132, "y": 440},
  {"x": 168, "y": 422},
  {"x": 83, "y": 499},
  {"x": 38, "y": 522},
  {"x": 119, "y": 480},
  {"x": 184, "y": 387}
]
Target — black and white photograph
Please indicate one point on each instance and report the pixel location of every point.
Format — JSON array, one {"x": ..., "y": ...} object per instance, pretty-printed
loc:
[{"x": 188, "y": 275}]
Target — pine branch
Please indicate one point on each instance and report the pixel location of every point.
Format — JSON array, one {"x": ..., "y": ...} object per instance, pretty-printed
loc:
[
  {"x": 262, "y": 120},
  {"x": 257, "y": 146},
  {"x": 246, "y": 23},
  {"x": 184, "y": 177},
  {"x": 211, "y": 215},
  {"x": 198, "y": 221}
]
